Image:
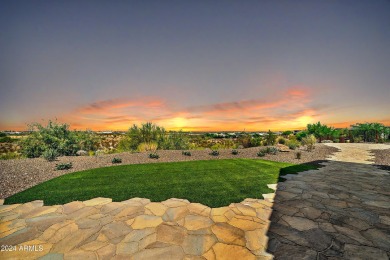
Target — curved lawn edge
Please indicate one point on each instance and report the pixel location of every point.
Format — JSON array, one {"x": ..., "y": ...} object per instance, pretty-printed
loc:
[{"x": 214, "y": 183}]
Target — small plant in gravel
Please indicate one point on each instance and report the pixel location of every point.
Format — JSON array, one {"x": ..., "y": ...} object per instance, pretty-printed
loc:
[
  {"x": 154, "y": 156},
  {"x": 293, "y": 144},
  {"x": 186, "y": 153},
  {"x": 116, "y": 160},
  {"x": 261, "y": 153},
  {"x": 234, "y": 152},
  {"x": 64, "y": 166},
  {"x": 310, "y": 142},
  {"x": 272, "y": 150},
  {"x": 50, "y": 154},
  {"x": 298, "y": 155},
  {"x": 214, "y": 153}
]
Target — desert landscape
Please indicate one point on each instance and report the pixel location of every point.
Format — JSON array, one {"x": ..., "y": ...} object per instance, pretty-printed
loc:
[{"x": 202, "y": 130}]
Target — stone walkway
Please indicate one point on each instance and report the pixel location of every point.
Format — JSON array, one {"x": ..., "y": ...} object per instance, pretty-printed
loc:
[{"x": 341, "y": 211}]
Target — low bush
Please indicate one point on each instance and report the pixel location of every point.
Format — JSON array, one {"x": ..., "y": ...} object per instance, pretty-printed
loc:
[
  {"x": 186, "y": 153},
  {"x": 310, "y": 142},
  {"x": 282, "y": 141},
  {"x": 293, "y": 144},
  {"x": 63, "y": 166},
  {"x": 6, "y": 139},
  {"x": 298, "y": 155},
  {"x": 272, "y": 150},
  {"x": 147, "y": 147},
  {"x": 116, "y": 160},
  {"x": 214, "y": 153},
  {"x": 234, "y": 152},
  {"x": 154, "y": 156},
  {"x": 50, "y": 154},
  {"x": 10, "y": 155},
  {"x": 267, "y": 150}
]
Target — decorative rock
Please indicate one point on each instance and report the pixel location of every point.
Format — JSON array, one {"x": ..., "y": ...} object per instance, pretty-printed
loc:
[
  {"x": 282, "y": 148},
  {"x": 81, "y": 153}
]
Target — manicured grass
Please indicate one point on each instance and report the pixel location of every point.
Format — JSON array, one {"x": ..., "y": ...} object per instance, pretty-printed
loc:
[{"x": 214, "y": 183}]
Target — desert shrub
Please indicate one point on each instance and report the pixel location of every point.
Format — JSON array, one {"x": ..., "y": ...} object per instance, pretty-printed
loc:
[
  {"x": 271, "y": 150},
  {"x": 154, "y": 156},
  {"x": 310, "y": 142},
  {"x": 6, "y": 139},
  {"x": 270, "y": 138},
  {"x": 293, "y": 144},
  {"x": 244, "y": 140},
  {"x": 256, "y": 141},
  {"x": 268, "y": 150},
  {"x": 227, "y": 144},
  {"x": 287, "y": 133},
  {"x": 9, "y": 155},
  {"x": 214, "y": 153},
  {"x": 64, "y": 166},
  {"x": 186, "y": 153},
  {"x": 282, "y": 140},
  {"x": 124, "y": 144},
  {"x": 300, "y": 135},
  {"x": 298, "y": 155},
  {"x": 91, "y": 153},
  {"x": 146, "y": 147},
  {"x": 234, "y": 152},
  {"x": 50, "y": 154},
  {"x": 261, "y": 153},
  {"x": 87, "y": 140},
  {"x": 54, "y": 136},
  {"x": 247, "y": 141},
  {"x": 176, "y": 141},
  {"x": 116, "y": 160},
  {"x": 151, "y": 133}
]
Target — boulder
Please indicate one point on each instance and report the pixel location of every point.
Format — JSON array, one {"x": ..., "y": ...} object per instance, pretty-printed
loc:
[
  {"x": 81, "y": 153},
  {"x": 282, "y": 148}
]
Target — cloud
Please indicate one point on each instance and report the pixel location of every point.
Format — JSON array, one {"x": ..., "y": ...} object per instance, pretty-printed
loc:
[{"x": 287, "y": 108}]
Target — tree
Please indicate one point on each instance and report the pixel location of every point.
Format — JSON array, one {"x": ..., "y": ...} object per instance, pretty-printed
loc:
[{"x": 319, "y": 131}]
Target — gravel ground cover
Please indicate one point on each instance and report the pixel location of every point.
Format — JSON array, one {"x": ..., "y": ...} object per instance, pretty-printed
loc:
[
  {"x": 19, "y": 174},
  {"x": 382, "y": 157}
]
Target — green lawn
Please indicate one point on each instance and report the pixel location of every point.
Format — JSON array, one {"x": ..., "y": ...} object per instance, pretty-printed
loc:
[{"x": 214, "y": 183}]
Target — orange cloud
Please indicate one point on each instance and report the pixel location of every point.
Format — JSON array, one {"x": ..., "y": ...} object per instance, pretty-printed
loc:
[{"x": 284, "y": 109}]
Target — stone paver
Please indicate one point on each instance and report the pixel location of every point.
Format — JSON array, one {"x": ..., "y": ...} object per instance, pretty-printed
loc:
[
  {"x": 135, "y": 229},
  {"x": 340, "y": 211}
]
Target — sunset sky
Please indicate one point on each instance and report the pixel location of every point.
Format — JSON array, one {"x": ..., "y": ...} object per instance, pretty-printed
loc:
[{"x": 194, "y": 65}]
